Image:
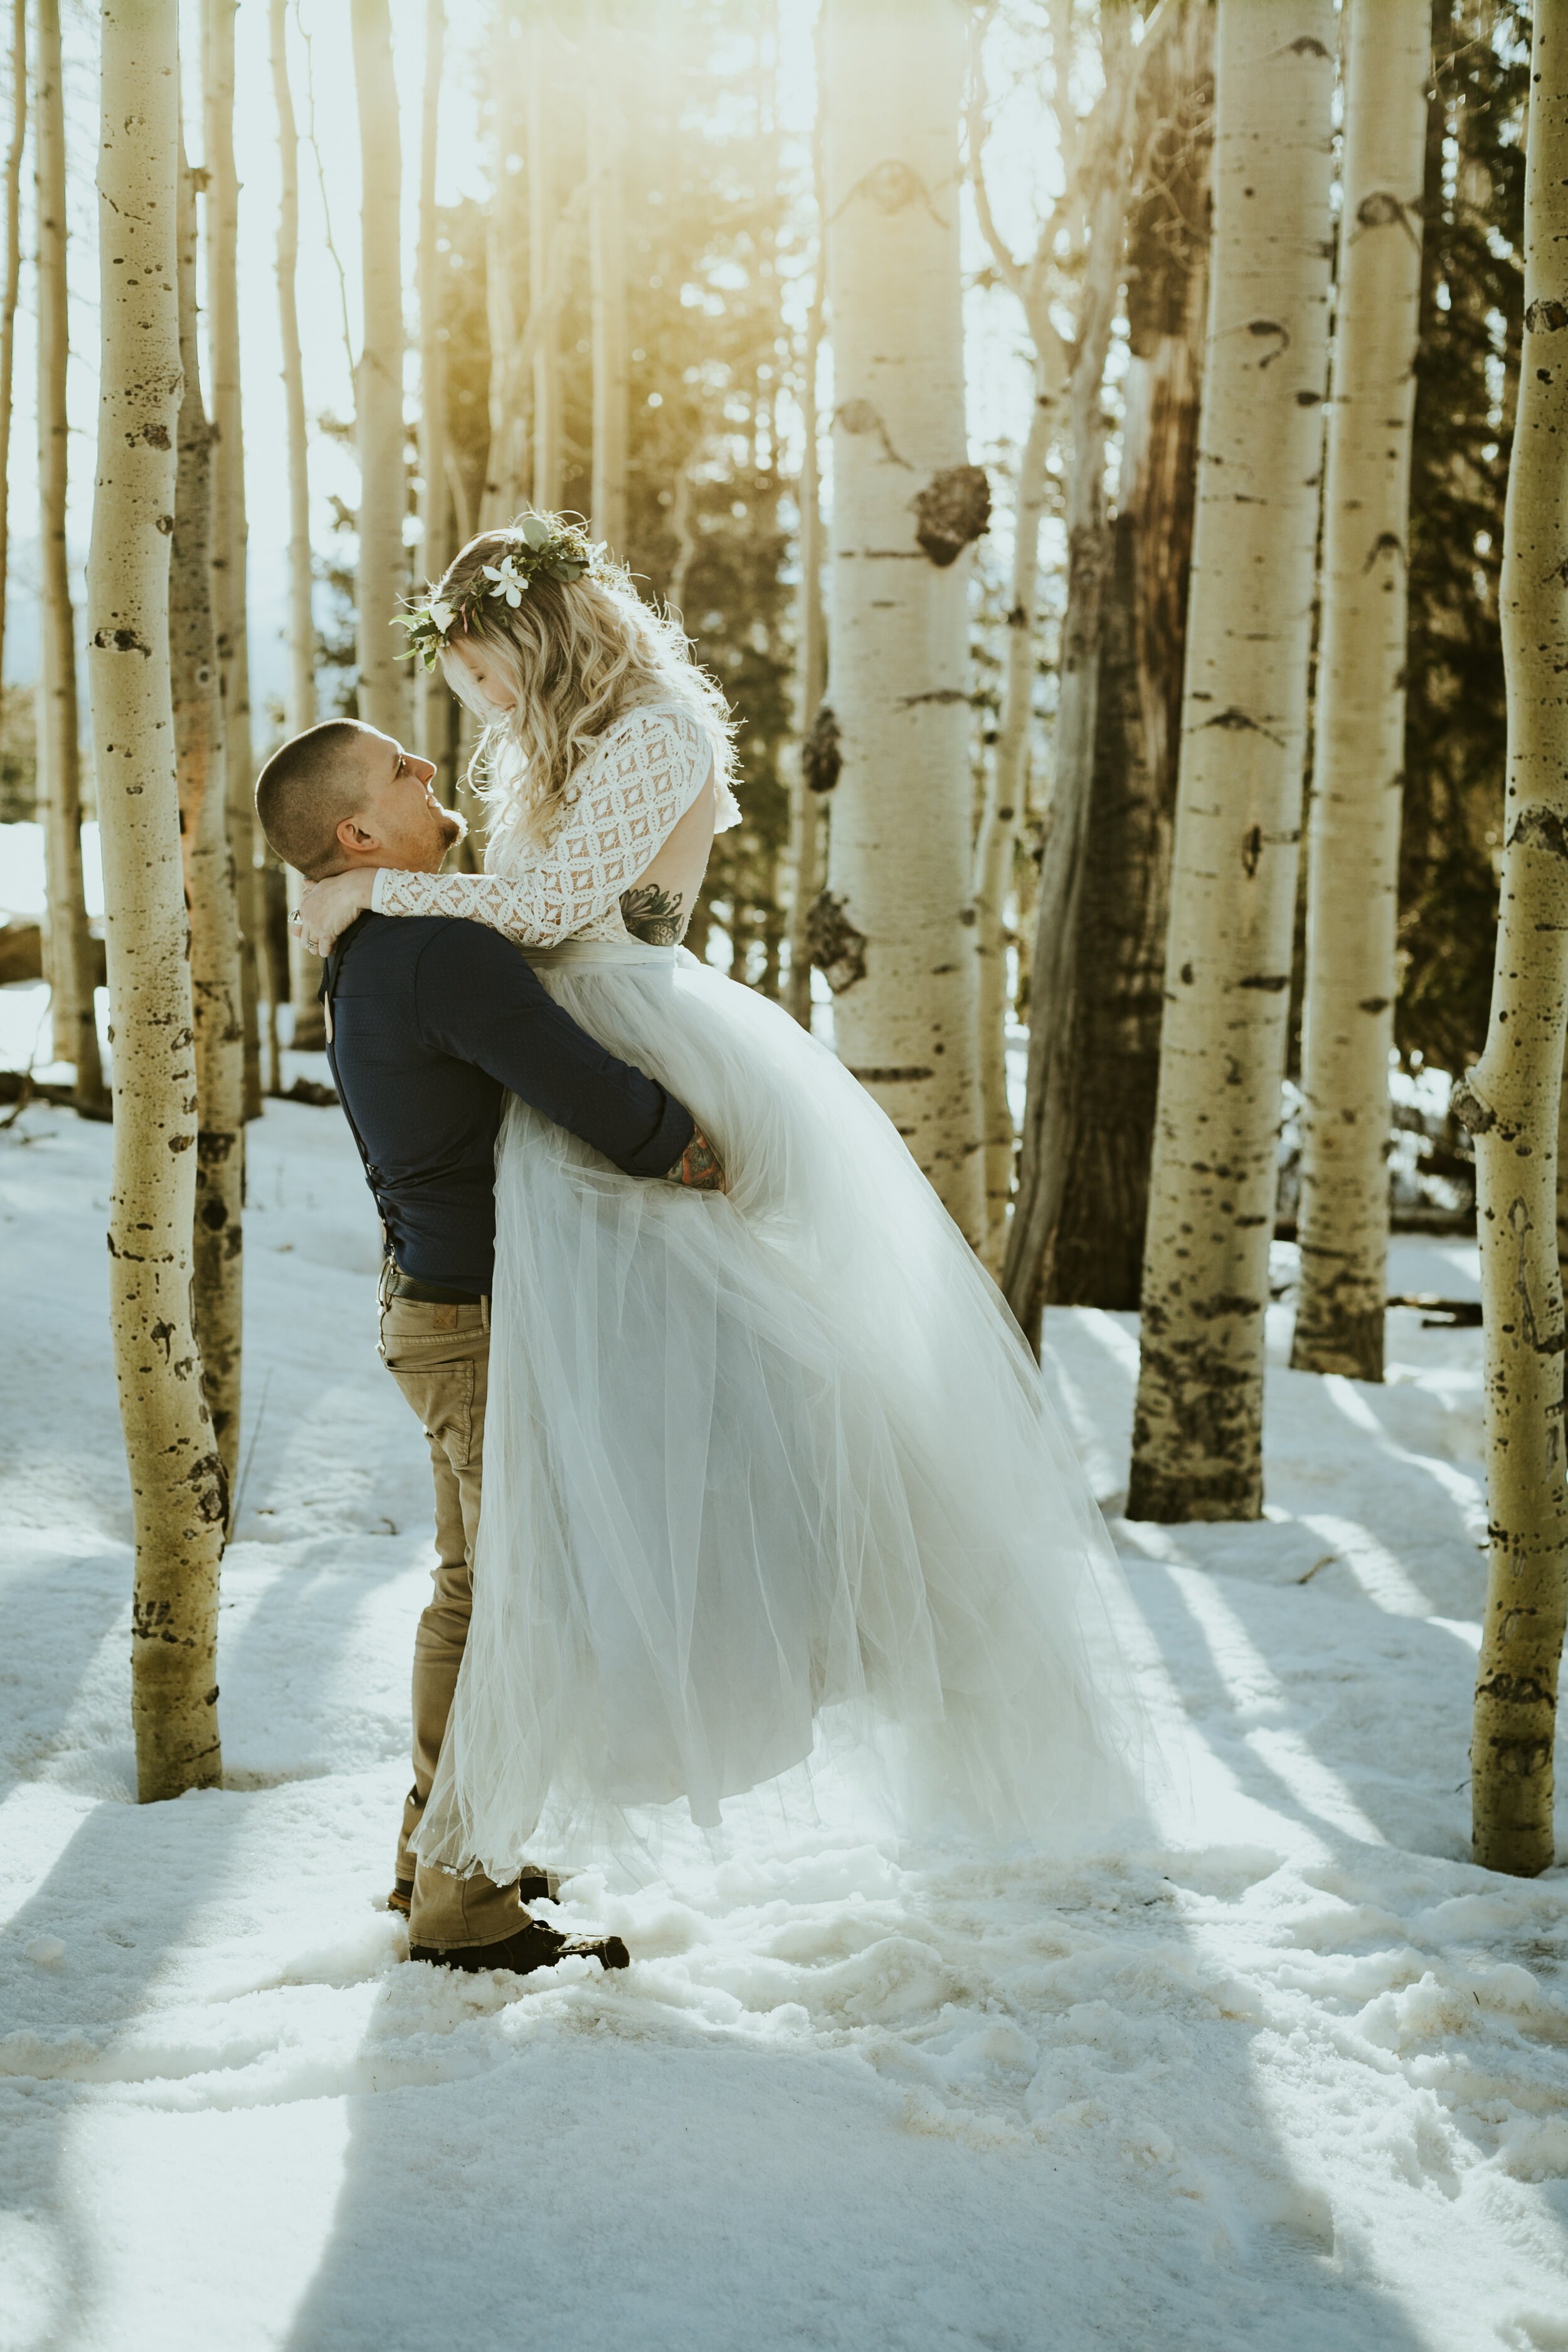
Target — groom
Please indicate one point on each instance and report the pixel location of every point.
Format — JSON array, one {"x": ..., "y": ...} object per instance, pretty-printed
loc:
[{"x": 430, "y": 1023}]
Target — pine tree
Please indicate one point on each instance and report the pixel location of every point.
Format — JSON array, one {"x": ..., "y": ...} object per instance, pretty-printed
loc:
[
  {"x": 1467, "y": 377},
  {"x": 178, "y": 1489}
]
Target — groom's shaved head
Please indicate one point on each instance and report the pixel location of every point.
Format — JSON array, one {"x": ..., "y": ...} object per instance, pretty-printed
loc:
[{"x": 307, "y": 788}]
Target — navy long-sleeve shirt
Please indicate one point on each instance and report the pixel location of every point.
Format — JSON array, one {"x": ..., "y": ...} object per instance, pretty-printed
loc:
[{"x": 432, "y": 1021}]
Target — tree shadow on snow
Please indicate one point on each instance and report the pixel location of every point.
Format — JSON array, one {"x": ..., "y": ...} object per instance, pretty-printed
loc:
[{"x": 978, "y": 2110}]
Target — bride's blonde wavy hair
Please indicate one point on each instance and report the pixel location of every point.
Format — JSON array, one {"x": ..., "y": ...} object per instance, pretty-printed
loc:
[{"x": 578, "y": 654}]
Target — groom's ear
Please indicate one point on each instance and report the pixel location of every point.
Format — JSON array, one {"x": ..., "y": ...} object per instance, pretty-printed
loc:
[{"x": 352, "y": 837}]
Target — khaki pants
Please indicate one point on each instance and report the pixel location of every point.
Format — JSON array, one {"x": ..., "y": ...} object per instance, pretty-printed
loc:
[{"x": 440, "y": 1357}]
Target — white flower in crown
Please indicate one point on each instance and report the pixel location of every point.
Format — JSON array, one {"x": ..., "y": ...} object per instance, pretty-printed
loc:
[
  {"x": 443, "y": 615},
  {"x": 508, "y": 582}
]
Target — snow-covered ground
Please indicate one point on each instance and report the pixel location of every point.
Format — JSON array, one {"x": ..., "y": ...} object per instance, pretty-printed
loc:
[{"x": 1287, "y": 2072}]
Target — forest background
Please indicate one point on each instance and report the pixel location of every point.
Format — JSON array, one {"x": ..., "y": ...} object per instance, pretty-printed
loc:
[{"x": 926, "y": 441}]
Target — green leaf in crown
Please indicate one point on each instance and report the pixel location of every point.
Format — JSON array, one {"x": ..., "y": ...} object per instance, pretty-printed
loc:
[{"x": 541, "y": 543}]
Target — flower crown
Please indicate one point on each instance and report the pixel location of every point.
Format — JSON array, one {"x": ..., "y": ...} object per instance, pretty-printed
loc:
[{"x": 550, "y": 545}]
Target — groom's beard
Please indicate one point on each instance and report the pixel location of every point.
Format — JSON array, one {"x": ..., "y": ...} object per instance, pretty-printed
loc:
[{"x": 452, "y": 827}]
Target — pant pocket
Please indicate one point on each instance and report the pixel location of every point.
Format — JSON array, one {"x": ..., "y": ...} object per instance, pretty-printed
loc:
[{"x": 443, "y": 1396}]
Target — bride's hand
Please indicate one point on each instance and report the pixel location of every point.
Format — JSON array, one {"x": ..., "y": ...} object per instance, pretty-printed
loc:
[
  {"x": 699, "y": 1168},
  {"x": 327, "y": 907}
]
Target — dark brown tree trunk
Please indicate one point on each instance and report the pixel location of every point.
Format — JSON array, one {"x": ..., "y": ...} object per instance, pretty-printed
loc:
[{"x": 1098, "y": 1254}]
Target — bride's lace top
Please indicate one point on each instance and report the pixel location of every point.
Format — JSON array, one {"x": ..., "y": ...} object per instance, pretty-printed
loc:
[{"x": 623, "y": 801}]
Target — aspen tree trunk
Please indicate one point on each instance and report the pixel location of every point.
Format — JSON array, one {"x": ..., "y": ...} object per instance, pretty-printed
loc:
[
  {"x": 228, "y": 511},
  {"x": 1053, "y": 1007},
  {"x": 607, "y": 288},
  {"x": 542, "y": 200},
  {"x": 811, "y": 627},
  {"x": 1097, "y": 1255},
  {"x": 216, "y": 988},
  {"x": 1007, "y": 776},
  {"x": 811, "y": 624},
  {"x": 892, "y": 932},
  {"x": 1562, "y": 1182},
  {"x": 70, "y": 967},
  {"x": 1198, "y": 1430},
  {"x": 382, "y": 693},
  {"x": 433, "y": 700},
  {"x": 1509, "y": 1101},
  {"x": 506, "y": 289},
  {"x": 176, "y": 1475},
  {"x": 304, "y": 969},
  {"x": 1006, "y": 794},
  {"x": 13, "y": 286},
  {"x": 1352, "y": 840}
]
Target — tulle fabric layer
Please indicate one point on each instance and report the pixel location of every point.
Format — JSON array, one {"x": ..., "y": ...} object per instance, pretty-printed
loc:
[{"x": 764, "y": 1475}]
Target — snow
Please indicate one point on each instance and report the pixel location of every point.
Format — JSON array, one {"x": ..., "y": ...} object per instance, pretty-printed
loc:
[{"x": 1285, "y": 2069}]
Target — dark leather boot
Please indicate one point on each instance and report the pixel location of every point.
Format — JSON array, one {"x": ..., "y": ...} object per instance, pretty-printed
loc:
[{"x": 531, "y": 1946}]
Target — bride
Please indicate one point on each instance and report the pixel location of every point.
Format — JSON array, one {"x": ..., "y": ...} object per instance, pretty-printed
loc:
[{"x": 772, "y": 1473}]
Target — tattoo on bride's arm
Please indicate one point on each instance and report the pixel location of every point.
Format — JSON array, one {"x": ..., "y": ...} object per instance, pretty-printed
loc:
[
  {"x": 654, "y": 915},
  {"x": 699, "y": 1168}
]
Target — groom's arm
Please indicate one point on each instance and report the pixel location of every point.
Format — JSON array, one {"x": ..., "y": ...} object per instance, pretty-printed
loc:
[{"x": 477, "y": 999}]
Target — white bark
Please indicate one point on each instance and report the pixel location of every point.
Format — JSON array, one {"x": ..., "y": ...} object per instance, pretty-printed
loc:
[
  {"x": 1358, "y": 738},
  {"x": 548, "y": 410},
  {"x": 228, "y": 512},
  {"x": 176, "y": 1475},
  {"x": 811, "y": 646},
  {"x": 1509, "y": 1101},
  {"x": 70, "y": 967},
  {"x": 607, "y": 287},
  {"x": 431, "y": 724},
  {"x": 894, "y": 934},
  {"x": 1198, "y": 1423},
  {"x": 506, "y": 289},
  {"x": 216, "y": 988},
  {"x": 12, "y": 280},
  {"x": 302, "y": 705},
  {"x": 304, "y": 969},
  {"x": 1006, "y": 796},
  {"x": 378, "y": 383}
]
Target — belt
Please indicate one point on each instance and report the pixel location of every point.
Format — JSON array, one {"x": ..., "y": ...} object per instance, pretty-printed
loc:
[{"x": 398, "y": 1285}]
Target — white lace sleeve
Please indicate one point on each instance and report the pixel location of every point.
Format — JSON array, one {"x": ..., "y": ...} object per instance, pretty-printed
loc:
[{"x": 637, "y": 784}]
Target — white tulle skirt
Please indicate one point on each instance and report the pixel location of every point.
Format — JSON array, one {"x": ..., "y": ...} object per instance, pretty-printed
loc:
[{"x": 764, "y": 1475}]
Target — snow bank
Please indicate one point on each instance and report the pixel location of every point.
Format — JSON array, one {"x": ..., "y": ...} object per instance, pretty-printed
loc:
[{"x": 1288, "y": 2070}]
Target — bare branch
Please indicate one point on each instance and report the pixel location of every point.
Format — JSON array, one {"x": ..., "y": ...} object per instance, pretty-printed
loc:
[
  {"x": 321, "y": 177},
  {"x": 1005, "y": 260}
]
